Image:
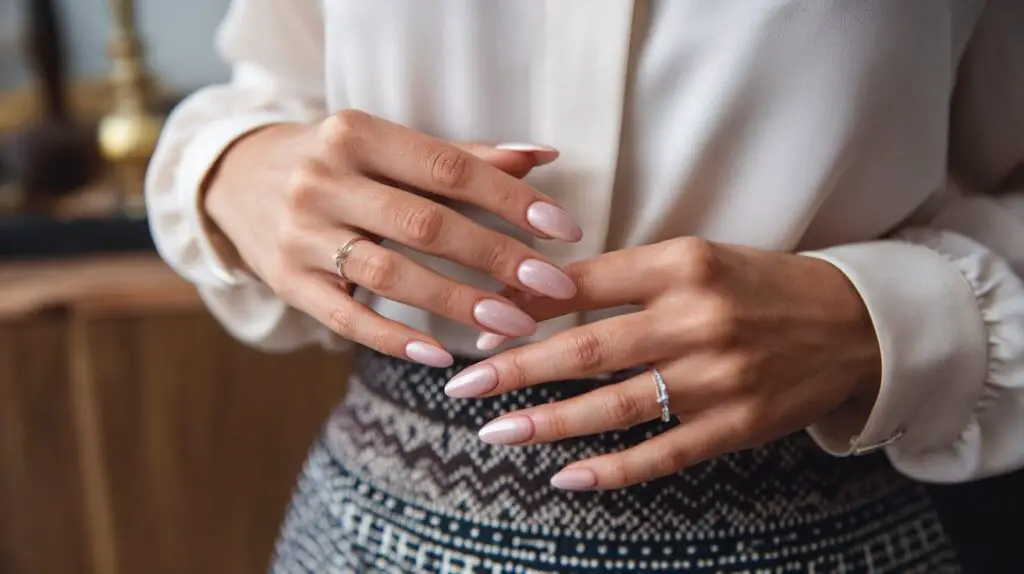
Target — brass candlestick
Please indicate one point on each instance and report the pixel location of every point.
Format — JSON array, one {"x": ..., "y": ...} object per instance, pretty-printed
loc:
[{"x": 129, "y": 134}]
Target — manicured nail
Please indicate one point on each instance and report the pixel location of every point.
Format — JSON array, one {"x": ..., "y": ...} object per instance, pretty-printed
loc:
[
  {"x": 428, "y": 354},
  {"x": 553, "y": 221},
  {"x": 472, "y": 382},
  {"x": 575, "y": 479},
  {"x": 509, "y": 430},
  {"x": 546, "y": 279},
  {"x": 542, "y": 153},
  {"x": 503, "y": 318},
  {"x": 489, "y": 341}
]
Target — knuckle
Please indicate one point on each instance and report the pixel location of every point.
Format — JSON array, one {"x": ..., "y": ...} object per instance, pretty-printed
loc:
[
  {"x": 341, "y": 129},
  {"x": 506, "y": 192},
  {"x": 342, "y": 322},
  {"x": 448, "y": 167},
  {"x": 513, "y": 375},
  {"x": 558, "y": 426},
  {"x": 746, "y": 421},
  {"x": 619, "y": 474},
  {"x": 586, "y": 351},
  {"x": 304, "y": 186},
  {"x": 379, "y": 271},
  {"x": 581, "y": 275},
  {"x": 721, "y": 321},
  {"x": 696, "y": 258},
  {"x": 623, "y": 409},
  {"x": 672, "y": 461},
  {"x": 421, "y": 224},
  {"x": 451, "y": 301},
  {"x": 495, "y": 256},
  {"x": 376, "y": 340}
]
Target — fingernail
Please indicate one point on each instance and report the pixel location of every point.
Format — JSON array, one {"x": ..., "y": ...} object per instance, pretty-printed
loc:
[
  {"x": 575, "y": 479},
  {"x": 546, "y": 279},
  {"x": 553, "y": 221},
  {"x": 509, "y": 430},
  {"x": 472, "y": 382},
  {"x": 428, "y": 354},
  {"x": 543, "y": 154},
  {"x": 489, "y": 341},
  {"x": 503, "y": 318}
]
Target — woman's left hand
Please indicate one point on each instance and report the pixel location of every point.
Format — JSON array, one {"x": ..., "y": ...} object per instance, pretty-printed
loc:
[{"x": 752, "y": 345}]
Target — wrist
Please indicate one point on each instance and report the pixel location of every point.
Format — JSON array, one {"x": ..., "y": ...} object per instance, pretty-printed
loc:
[
  {"x": 856, "y": 339},
  {"x": 230, "y": 177},
  {"x": 848, "y": 327}
]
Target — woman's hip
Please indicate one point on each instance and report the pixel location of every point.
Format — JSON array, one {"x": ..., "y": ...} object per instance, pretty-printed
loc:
[{"x": 389, "y": 489}]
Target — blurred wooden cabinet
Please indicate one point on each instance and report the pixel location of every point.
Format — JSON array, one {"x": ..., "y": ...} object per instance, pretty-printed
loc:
[{"x": 135, "y": 435}]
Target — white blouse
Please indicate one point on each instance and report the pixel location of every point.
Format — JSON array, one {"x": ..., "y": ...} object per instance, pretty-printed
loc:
[{"x": 880, "y": 135}]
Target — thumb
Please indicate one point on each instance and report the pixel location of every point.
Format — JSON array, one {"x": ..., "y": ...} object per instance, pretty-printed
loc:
[{"x": 516, "y": 159}]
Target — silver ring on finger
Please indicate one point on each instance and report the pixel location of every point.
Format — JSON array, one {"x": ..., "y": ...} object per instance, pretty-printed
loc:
[
  {"x": 341, "y": 255},
  {"x": 662, "y": 390}
]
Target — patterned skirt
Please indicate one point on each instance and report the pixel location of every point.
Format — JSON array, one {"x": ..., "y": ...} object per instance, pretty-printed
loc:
[{"x": 400, "y": 483}]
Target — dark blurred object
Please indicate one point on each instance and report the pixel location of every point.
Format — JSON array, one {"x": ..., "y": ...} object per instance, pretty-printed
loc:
[
  {"x": 36, "y": 237},
  {"x": 978, "y": 518},
  {"x": 54, "y": 155},
  {"x": 51, "y": 159}
]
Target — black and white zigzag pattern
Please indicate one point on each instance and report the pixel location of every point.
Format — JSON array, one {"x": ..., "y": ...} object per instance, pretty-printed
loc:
[{"x": 394, "y": 489}]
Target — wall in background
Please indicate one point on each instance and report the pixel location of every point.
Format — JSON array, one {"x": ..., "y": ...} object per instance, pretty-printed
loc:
[{"x": 178, "y": 37}]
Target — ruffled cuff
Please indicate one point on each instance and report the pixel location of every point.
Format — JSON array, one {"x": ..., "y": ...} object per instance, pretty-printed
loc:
[
  {"x": 949, "y": 315},
  {"x": 173, "y": 199}
]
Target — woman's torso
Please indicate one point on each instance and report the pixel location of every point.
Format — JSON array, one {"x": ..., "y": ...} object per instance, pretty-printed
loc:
[
  {"x": 783, "y": 125},
  {"x": 777, "y": 124}
]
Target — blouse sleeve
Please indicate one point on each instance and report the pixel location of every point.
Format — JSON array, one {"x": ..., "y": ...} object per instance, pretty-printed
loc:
[
  {"x": 276, "y": 51},
  {"x": 945, "y": 293}
]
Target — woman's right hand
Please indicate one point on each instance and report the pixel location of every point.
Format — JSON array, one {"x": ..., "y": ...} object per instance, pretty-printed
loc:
[{"x": 286, "y": 197}]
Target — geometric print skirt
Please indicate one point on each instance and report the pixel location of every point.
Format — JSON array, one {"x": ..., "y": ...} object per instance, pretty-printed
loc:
[{"x": 398, "y": 482}]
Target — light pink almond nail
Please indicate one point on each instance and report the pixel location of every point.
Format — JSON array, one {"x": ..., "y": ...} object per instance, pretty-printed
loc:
[
  {"x": 509, "y": 430},
  {"x": 553, "y": 221},
  {"x": 472, "y": 382},
  {"x": 428, "y": 354},
  {"x": 575, "y": 479},
  {"x": 504, "y": 318},
  {"x": 546, "y": 279},
  {"x": 543, "y": 154},
  {"x": 489, "y": 341}
]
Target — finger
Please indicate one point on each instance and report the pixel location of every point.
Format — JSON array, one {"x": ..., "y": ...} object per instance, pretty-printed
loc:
[
  {"x": 394, "y": 276},
  {"x": 712, "y": 434},
  {"x": 612, "y": 407},
  {"x": 614, "y": 279},
  {"x": 429, "y": 227},
  {"x": 516, "y": 160},
  {"x": 608, "y": 345},
  {"x": 323, "y": 300},
  {"x": 394, "y": 152},
  {"x": 608, "y": 280},
  {"x": 490, "y": 341}
]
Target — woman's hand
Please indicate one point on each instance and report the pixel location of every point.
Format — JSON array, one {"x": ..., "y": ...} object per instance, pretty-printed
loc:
[
  {"x": 287, "y": 197},
  {"x": 752, "y": 346}
]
